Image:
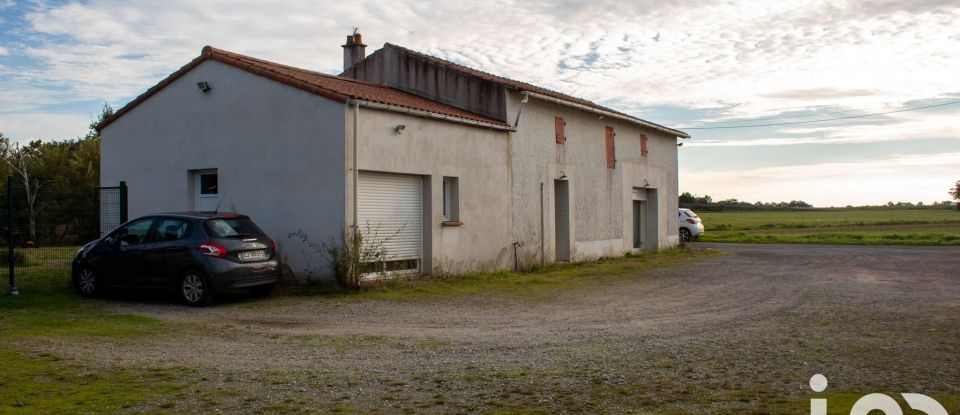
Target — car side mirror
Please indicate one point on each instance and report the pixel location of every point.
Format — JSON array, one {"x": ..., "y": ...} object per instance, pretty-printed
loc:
[{"x": 111, "y": 241}]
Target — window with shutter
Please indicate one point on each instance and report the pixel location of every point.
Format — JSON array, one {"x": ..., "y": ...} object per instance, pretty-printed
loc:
[
  {"x": 611, "y": 150},
  {"x": 643, "y": 145},
  {"x": 559, "y": 124}
]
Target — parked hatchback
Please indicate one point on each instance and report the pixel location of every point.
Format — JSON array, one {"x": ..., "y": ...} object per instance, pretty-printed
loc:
[
  {"x": 195, "y": 254},
  {"x": 691, "y": 226}
]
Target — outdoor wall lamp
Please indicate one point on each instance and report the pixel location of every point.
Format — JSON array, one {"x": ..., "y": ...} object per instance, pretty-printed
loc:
[
  {"x": 203, "y": 87},
  {"x": 562, "y": 175},
  {"x": 399, "y": 129}
]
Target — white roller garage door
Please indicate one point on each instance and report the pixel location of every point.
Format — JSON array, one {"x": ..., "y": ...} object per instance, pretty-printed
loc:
[{"x": 390, "y": 209}]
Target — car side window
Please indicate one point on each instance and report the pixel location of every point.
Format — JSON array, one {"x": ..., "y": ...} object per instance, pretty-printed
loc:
[
  {"x": 171, "y": 229},
  {"x": 134, "y": 233}
]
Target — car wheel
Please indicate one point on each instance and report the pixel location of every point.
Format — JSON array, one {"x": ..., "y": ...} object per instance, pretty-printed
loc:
[
  {"x": 685, "y": 235},
  {"x": 87, "y": 283},
  {"x": 194, "y": 289},
  {"x": 262, "y": 290}
]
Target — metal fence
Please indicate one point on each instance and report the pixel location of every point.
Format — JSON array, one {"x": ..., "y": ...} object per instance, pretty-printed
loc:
[{"x": 45, "y": 225}]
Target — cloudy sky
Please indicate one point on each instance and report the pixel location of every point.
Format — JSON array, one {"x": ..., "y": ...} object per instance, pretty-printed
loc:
[{"x": 714, "y": 64}]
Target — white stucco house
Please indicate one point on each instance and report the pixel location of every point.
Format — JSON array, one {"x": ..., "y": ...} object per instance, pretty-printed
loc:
[{"x": 456, "y": 169}]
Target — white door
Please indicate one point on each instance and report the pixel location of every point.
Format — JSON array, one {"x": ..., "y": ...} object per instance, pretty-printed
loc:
[
  {"x": 390, "y": 212},
  {"x": 208, "y": 191}
]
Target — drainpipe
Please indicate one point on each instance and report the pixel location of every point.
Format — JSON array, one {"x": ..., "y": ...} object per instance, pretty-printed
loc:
[
  {"x": 356, "y": 167},
  {"x": 543, "y": 237},
  {"x": 526, "y": 97}
]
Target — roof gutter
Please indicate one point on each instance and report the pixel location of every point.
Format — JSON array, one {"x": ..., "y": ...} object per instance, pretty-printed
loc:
[
  {"x": 427, "y": 114},
  {"x": 634, "y": 120}
]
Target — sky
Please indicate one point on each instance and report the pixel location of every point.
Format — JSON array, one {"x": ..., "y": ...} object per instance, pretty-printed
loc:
[{"x": 683, "y": 64}]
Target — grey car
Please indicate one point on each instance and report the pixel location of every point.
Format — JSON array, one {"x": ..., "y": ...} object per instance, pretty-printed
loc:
[{"x": 195, "y": 254}]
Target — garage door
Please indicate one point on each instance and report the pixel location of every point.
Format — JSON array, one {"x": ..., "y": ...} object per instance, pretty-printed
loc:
[{"x": 390, "y": 211}]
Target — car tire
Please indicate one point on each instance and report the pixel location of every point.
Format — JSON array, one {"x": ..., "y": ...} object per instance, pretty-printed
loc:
[
  {"x": 685, "y": 235},
  {"x": 86, "y": 283},
  {"x": 194, "y": 288},
  {"x": 262, "y": 290}
]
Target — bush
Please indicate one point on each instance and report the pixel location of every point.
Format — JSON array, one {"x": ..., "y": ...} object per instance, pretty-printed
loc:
[{"x": 350, "y": 258}]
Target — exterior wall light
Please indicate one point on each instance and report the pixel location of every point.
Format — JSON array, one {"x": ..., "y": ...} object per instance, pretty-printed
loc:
[
  {"x": 562, "y": 175},
  {"x": 203, "y": 87},
  {"x": 399, "y": 129}
]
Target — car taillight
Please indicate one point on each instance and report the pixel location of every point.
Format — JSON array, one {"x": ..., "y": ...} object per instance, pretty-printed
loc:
[
  {"x": 273, "y": 246},
  {"x": 691, "y": 221},
  {"x": 213, "y": 249}
]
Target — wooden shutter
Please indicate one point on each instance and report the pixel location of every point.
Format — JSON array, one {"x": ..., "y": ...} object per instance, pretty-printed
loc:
[
  {"x": 611, "y": 150},
  {"x": 643, "y": 145},
  {"x": 558, "y": 126}
]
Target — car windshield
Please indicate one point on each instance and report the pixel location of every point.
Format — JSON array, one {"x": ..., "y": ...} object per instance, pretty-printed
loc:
[{"x": 232, "y": 228}]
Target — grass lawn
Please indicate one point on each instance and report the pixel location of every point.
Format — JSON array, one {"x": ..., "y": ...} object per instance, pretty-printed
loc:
[
  {"x": 834, "y": 226},
  {"x": 39, "y": 269}
]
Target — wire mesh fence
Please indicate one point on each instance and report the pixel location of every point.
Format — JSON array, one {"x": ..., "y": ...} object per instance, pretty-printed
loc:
[{"x": 45, "y": 223}]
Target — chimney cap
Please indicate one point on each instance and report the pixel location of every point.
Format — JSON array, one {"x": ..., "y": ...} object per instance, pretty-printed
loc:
[{"x": 356, "y": 39}]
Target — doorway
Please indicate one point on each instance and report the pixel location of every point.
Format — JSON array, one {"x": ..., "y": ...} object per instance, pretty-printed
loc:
[
  {"x": 639, "y": 219},
  {"x": 561, "y": 215}
]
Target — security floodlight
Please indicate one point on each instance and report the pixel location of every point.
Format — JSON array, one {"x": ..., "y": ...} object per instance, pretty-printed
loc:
[{"x": 203, "y": 87}]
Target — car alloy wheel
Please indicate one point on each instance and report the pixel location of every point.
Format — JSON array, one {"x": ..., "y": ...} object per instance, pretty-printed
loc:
[
  {"x": 194, "y": 289},
  {"x": 87, "y": 282},
  {"x": 684, "y": 235}
]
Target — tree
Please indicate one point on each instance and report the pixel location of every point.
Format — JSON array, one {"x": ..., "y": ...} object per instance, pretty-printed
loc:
[
  {"x": 25, "y": 161},
  {"x": 955, "y": 192}
]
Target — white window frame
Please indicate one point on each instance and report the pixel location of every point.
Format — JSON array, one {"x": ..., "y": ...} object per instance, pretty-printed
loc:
[{"x": 451, "y": 199}]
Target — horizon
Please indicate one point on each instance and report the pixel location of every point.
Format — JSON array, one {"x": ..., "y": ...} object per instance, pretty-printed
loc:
[{"x": 714, "y": 65}]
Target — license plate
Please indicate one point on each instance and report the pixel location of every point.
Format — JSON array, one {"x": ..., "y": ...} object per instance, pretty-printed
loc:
[{"x": 253, "y": 255}]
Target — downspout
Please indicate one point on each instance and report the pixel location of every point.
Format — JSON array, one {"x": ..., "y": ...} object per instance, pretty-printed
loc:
[
  {"x": 543, "y": 237},
  {"x": 356, "y": 167},
  {"x": 526, "y": 97}
]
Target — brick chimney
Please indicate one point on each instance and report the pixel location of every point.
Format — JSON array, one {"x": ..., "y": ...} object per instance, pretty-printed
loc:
[{"x": 353, "y": 51}]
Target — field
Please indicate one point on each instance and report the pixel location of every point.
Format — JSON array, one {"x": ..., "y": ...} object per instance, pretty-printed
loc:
[
  {"x": 834, "y": 226},
  {"x": 42, "y": 268}
]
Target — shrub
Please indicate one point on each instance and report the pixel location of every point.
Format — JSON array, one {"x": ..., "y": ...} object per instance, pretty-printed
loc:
[{"x": 350, "y": 257}]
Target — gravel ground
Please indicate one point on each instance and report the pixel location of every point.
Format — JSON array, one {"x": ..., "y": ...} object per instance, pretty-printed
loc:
[{"x": 740, "y": 333}]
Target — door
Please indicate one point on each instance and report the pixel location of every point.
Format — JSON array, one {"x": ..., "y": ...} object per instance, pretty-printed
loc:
[
  {"x": 390, "y": 217},
  {"x": 639, "y": 218},
  {"x": 123, "y": 260},
  {"x": 561, "y": 215},
  {"x": 207, "y": 191},
  {"x": 168, "y": 253}
]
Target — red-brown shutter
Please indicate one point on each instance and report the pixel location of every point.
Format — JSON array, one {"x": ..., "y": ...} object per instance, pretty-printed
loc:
[
  {"x": 611, "y": 151},
  {"x": 558, "y": 125},
  {"x": 643, "y": 145}
]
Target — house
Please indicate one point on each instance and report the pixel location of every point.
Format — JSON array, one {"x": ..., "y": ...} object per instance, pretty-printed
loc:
[{"x": 451, "y": 168}]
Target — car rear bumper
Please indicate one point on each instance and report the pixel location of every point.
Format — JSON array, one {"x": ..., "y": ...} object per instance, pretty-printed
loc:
[{"x": 227, "y": 274}]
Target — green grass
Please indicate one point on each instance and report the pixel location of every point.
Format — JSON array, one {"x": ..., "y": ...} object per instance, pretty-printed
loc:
[
  {"x": 820, "y": 218},
  {"x": 538, "y": 284},
  {"x": 42, "y": 269},
  {"x": 32, "y": 382},
  {"x": 834, "y": 226}
]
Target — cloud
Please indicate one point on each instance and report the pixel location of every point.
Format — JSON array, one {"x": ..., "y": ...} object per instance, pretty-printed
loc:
[
  {"x": 897, "y": 127},
  {"x": 43, "y": 125},
  {"x": 4, "y": 51},
  {"x": 898, "y": 178},
  {"x": 747, "y": 57}
]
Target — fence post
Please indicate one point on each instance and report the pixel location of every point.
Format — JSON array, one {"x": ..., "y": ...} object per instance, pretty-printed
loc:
[
  {"x": 123, "y": 201},
  {"x": 13, "y": 288}
]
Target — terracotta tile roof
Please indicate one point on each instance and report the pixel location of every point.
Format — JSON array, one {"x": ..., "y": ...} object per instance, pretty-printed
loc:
[
  {"x": 523, "y": 86},
  {"x": 329, "y": 86}
]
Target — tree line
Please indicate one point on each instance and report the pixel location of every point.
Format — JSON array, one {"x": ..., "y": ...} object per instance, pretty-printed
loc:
[
  {"x": 705, "y": 202},
  {"x": 55, "y": 184}
]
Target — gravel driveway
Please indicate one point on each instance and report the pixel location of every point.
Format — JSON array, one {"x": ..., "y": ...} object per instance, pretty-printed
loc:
[{"x": 740, "y": 333}]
